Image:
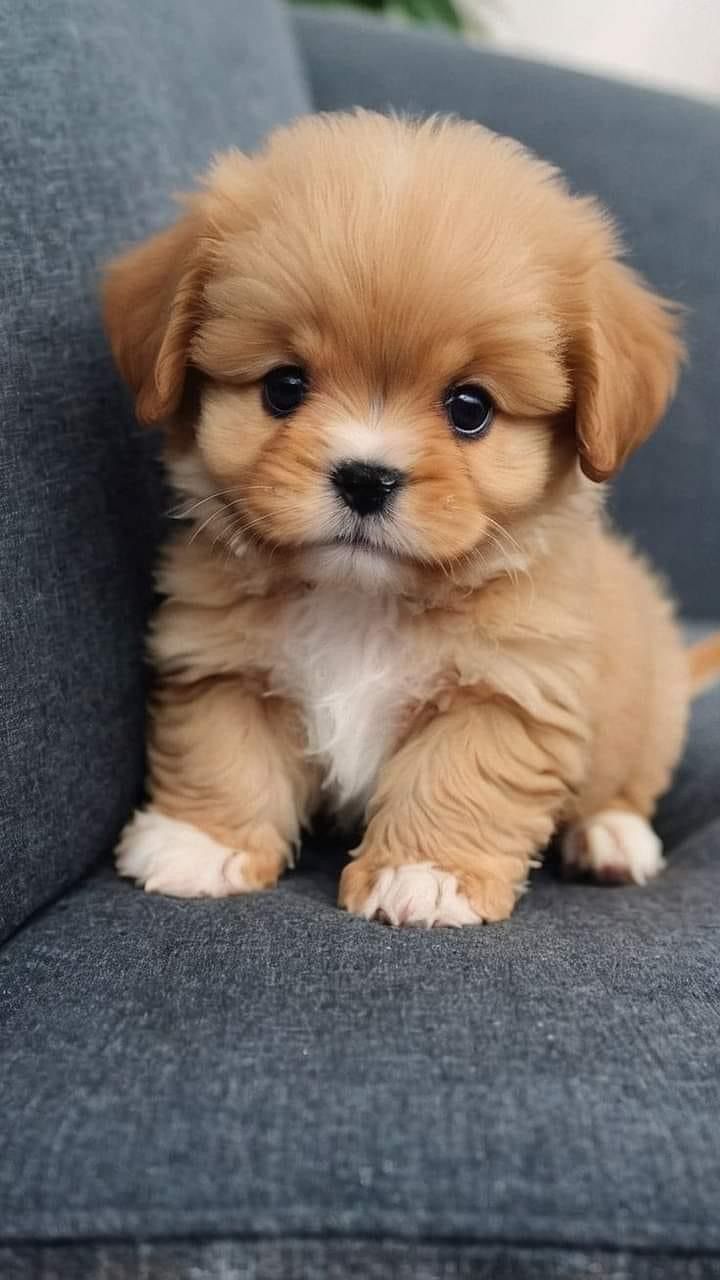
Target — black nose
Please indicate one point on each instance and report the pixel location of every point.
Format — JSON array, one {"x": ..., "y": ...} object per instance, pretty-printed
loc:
[{"x": 366, "y": 487}]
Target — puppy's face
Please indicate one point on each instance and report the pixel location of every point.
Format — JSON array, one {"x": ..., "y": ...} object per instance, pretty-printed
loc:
[{"x": 379, "y": 347}]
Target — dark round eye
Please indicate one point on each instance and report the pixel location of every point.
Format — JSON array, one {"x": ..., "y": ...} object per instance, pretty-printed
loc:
[
  {"x": 470, "y": 409},
  {"x": 284, "y": 389}
]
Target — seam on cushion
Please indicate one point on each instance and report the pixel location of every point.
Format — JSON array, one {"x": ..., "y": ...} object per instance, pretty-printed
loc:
[
  {"x": 700, "y": 834},
  {"x": 129, "y": 1232},
  {"x": 57, "y": 895},
  {"x": 354, "y": 1238}
]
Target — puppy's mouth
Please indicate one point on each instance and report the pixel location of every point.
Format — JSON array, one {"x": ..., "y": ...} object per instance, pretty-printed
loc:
[
  {"x": 361, "y": 541},
  {"x": 368, "y": 538}
]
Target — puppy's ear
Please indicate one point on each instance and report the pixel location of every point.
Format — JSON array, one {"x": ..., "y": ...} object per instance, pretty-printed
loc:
[
  {"x": 625, "y": 366},
  {"x": 151, "y": 300}
]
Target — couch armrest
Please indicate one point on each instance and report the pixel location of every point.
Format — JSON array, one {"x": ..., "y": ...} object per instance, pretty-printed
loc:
[{"x": 112, "y": 110}]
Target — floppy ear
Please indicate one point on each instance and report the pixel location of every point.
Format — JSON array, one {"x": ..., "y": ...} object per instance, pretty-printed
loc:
[
  {"x": 151, "y": 299},
  {"x": 625, "y": 366}
]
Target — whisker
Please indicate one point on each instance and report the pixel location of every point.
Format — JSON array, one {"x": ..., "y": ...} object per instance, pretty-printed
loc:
[
  {"x": 199, "y": 528},
  {"x": 236, "y": 490},
  {"x": 505, "y": 533},
  {"x": 242, "y": 526},
  {"x": 176, "y": 514}
]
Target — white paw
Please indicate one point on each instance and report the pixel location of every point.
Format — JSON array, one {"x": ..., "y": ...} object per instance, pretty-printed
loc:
[
  {"x": 418, "y": 894},
  {"x": 614, "y": 846},
  {"x": 167, "y": 856}
]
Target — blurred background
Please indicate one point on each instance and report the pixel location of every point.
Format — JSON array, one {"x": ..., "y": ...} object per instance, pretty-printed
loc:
[{"x": 673, "y": 44}]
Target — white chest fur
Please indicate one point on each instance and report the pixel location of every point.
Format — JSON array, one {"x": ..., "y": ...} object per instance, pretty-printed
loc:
[{"x": 346, "y": 659}]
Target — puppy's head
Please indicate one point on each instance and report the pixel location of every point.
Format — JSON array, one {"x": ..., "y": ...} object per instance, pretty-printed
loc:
[{"x": 379, "y": 345}]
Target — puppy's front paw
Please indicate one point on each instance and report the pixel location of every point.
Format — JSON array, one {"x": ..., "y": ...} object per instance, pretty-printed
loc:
[
  {"x": 614, "y": 847},
  {"x": 164, "y": 855},
  {"x": 417, "y": 893},
  {"x": 422, "y": 893}
]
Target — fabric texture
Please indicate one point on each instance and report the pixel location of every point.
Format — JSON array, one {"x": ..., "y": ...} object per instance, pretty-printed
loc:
[
  {"x": 346, "y": 1259},
  {"x": 108, "y": 109},
  {"x": 267, "y": 1084},
  {"x": 654, "y": 159}
]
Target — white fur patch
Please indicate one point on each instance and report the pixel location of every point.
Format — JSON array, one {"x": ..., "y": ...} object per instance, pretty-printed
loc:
[
  {"x": 337, "y": 566},
  {"x": 345, "y": 662},
  {"x": 166, "y": 856},
  {"x": 418, "y": 894},
  {"x": 615, "y": 847},
  {"x": 373, "y": 442}
]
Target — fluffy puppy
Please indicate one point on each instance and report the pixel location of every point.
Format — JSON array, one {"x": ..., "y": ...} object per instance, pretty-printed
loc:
[{"x": 395, "y": 362}]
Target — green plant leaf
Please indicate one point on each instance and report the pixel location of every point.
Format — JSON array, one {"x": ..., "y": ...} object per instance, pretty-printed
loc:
[
  {"x": 438, "y": 11},
  {"x": 431, "y": 11}
]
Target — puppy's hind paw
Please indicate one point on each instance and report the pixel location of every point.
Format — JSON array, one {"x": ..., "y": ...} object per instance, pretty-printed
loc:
[{"x": 613, "y": 847}]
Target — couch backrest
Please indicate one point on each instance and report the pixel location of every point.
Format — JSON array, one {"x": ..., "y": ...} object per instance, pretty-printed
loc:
[{"x": 107, "y": 109}]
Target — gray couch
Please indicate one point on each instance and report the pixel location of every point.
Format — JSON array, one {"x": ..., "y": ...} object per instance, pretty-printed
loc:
[{"x": 268, "y": 1089}]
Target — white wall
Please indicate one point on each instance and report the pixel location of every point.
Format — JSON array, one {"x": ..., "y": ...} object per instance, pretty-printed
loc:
[{"x": 675, "y": 43}]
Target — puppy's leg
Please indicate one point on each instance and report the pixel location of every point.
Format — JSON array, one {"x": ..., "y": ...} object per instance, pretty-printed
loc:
[
  {"x": 614, "y": 846},
  {"x": 460, "y": 812},
  {"x": 229, "y": 790},
  {"x": 638, "y": 709}
]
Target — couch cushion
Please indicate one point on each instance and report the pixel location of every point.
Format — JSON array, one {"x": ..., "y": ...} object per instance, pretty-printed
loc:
[
  {"x": 643, "y": 153},
  {"x": 112, "y": 108},
  {"x": 271, "y": 1087}
]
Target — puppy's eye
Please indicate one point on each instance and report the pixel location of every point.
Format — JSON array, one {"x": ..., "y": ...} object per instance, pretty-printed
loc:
[
  {"x": 284, "y": 389},
  {"x": 469, "y": 409}
]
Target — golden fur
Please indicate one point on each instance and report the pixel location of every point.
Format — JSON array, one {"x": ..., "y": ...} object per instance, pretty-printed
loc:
[{"x": 530, "y": 672}]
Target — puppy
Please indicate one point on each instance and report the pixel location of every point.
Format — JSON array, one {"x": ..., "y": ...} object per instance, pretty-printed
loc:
[{"x": 395, "y": 363}]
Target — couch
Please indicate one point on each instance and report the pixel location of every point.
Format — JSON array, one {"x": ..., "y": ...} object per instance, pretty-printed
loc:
[{"x": 266, "y": 1088}]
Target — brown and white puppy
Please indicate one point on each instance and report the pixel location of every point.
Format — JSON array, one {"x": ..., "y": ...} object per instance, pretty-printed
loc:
[{"x": 395, "y": 361}]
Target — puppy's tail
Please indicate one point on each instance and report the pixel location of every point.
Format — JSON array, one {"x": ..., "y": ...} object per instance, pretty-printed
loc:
[{"x": 704, "y": 660}]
